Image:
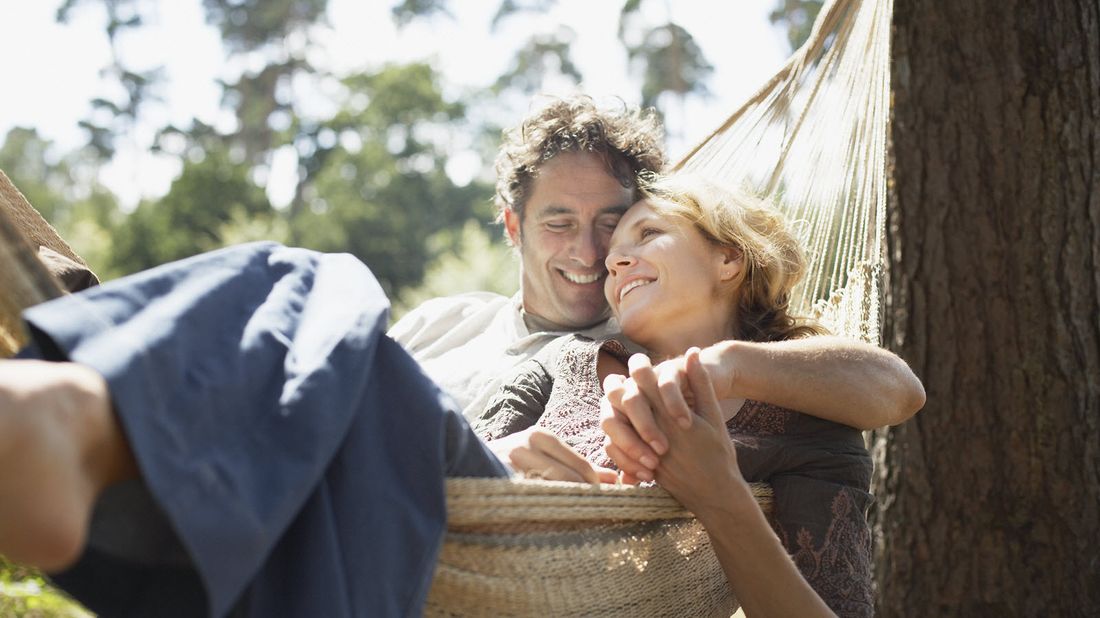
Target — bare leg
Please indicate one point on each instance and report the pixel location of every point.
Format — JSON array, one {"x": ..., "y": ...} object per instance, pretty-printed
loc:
[{"x": 60, "y": 446}]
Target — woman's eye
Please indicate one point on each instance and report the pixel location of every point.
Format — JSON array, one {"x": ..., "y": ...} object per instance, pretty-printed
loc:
[{"x": 649, "y": 231}]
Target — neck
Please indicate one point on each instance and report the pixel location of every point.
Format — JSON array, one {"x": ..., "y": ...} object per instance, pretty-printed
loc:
[
  {"x": 670, "y": 345},
  {"x": 537, "y": 324}
]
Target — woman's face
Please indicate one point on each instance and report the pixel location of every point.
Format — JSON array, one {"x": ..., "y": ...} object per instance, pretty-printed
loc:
[{"x": 668, "y": 286}]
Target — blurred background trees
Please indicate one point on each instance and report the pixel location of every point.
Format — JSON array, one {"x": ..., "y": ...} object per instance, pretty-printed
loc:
[{"x": 371, "y": 175}]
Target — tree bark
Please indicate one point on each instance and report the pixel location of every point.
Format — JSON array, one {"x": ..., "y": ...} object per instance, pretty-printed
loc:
[{"x": 989, "y": 497}]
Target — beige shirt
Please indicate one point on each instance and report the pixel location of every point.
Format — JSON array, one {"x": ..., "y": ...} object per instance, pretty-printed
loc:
[{"x": 468, "y": 343}]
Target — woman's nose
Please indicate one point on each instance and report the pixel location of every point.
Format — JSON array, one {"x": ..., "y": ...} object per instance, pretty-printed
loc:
[{"x": 617, "y": 259}]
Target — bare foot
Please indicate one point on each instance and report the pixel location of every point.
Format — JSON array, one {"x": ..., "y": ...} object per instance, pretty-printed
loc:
[{"x": 60, "y": 445}]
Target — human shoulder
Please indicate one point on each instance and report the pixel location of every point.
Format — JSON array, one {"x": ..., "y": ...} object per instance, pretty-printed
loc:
[
  {"x": 438, "y": 315},
  {"x": 462, "y": 304}
]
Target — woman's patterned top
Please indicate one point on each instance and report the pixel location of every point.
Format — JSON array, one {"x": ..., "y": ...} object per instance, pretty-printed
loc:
[{"x": 819, "y": 470}]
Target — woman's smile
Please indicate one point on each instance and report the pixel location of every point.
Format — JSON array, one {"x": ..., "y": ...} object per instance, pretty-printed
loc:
[
  {"x": 630, "y": 285},
  {"x": 690, "y": 302}
]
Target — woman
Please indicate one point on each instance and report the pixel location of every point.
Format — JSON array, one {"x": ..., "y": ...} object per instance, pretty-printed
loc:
[{"x": 692, "y": 266}]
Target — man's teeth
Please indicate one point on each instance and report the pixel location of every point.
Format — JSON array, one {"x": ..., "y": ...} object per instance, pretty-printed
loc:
[
  {"x": 630, "y": 286},
  {"x": 582, "y": 279}
]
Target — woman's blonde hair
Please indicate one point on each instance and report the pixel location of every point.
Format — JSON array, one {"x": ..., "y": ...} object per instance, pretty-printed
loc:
[{"x": 773, "y": 258}]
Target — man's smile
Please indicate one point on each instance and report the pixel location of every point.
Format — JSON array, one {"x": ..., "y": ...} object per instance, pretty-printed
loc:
[{"x": 582, "y": 279}]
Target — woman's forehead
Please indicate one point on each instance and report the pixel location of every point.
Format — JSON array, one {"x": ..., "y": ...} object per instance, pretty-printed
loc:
[{"x": 637, "y": 211}]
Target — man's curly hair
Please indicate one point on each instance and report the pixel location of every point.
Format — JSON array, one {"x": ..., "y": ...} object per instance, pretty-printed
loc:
[{"x": 629, "y": 140}]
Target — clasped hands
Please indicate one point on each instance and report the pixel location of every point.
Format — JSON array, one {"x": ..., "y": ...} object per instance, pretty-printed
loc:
[{"x": 662, "y": 423}]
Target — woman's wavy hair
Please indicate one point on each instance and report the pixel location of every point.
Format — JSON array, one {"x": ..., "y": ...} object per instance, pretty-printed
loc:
[
  {"x": 773, "y": 258},
  {"x": 629, "y": 140}
]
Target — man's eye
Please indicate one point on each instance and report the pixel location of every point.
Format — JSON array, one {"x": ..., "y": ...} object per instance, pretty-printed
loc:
[
  {"x": 557, "y": 226},
  {"x": 609, "y": 224}
]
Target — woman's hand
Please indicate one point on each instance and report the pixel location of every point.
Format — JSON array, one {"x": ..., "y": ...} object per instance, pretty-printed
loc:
[
  {"x": 538, "y": 453},
  {"x": 631, "y": 407},
  {"x": 700, "y": 468}
]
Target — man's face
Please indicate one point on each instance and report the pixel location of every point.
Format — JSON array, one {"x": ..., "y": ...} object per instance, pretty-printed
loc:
[{"x": 571, "y": 212}]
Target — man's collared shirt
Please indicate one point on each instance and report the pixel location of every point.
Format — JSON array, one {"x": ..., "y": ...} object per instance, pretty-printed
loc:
[{"x": 469, "y": 342}]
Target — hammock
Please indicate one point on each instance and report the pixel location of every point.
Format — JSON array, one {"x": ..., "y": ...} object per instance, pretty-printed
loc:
[
  {"x": 24, "y": 281},
  {"x": 813, "y": 140}
]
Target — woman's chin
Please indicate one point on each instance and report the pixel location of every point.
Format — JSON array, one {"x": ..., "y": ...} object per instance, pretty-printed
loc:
[{"x": 633, "y": 328}]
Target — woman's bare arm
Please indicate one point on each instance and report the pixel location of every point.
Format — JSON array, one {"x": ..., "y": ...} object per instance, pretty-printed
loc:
[{"x": 702, "y": 472}]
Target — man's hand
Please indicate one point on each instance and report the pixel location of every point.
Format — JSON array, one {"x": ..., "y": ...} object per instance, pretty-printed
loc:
[{"x": 539, "y": 453}]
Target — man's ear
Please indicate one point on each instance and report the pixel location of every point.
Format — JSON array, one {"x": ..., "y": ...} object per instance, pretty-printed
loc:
[{"x": 511, "y": 225}]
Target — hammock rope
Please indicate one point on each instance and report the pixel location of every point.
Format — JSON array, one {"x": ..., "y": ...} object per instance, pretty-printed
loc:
[{"x": 812, "y": 140}]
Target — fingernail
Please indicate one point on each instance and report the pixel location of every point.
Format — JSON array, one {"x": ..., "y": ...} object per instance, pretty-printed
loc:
[
  {"x": 657, "y": 447},
  {"x": 684, "y": 422},
  {"x": 648, "y": 461}
]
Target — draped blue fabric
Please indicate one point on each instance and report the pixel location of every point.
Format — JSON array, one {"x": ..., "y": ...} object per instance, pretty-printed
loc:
[{"x": 295, "y": 453}]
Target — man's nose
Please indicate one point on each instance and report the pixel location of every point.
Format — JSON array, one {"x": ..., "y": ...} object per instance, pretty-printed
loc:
[{"x": 588, "y": 248}]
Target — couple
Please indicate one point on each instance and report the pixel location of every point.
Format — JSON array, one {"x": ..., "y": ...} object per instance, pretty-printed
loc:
[{"x": 277, "y": 440}]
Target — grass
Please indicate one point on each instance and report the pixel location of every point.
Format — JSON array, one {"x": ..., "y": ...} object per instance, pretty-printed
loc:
[{"x": 26, "y": 593}]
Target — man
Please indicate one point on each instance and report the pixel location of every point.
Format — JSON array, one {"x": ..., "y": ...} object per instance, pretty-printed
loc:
[{"x": 565, "y": 176}]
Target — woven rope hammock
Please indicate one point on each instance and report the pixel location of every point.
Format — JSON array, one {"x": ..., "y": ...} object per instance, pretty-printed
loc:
[{"x": 813, "y": 140}]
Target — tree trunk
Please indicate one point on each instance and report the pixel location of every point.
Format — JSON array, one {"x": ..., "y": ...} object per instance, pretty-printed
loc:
[{"x": 989, "y": 498}]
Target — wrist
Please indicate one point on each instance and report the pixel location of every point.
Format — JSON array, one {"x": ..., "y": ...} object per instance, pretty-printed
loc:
[
  {"x": 721, "y": 359},
  {"x": 732, "y": 505}
]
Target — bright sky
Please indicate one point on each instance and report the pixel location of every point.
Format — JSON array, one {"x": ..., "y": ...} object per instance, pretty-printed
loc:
[{"x": 52, "y": 70}]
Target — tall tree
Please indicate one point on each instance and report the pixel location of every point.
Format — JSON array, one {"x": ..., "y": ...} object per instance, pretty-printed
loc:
[
  {"x": 382, "y": 189},
  {"x": 667, "y": 56},
  {"x": 797, "y": 16},
  {"x": 211, "y": 195},
  {"x": 116, "y": 115},
  {"x": 990, "y": 497},
  {"x": 275, "y": 31}
]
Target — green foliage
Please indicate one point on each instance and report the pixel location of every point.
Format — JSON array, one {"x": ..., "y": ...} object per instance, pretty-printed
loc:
[
  {"x": 370, "y": 179},
  {"x": 209, "y": 195},
  {"x": 260, "y": 29},
  {"x": 382, "y": 189},
  {"x": 25, "y": 593},
  {"x": 247, "y": 25},
  {"x": 798, "y": 17},
  {"x": 408, "y": 10},
  {"x": 508, "y": 8},
  {"x": 25, "y": 158},
  {"x": 381, "y": 208},
  {"x": 671, "y": 61},
  {"x": 89, "y": 230},
  {"x": 118, "y": 115},
  {"x": 471, "y": 259},
  {"x": 542, "y": 56}
]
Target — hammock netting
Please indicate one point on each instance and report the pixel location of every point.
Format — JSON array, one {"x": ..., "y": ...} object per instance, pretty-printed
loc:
[{"x": 813, "y": 141}]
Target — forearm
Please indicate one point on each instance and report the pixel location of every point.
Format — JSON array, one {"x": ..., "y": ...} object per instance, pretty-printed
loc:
[
  {"x": 760, "y": 573},
  {"x": 834, "y": 378}
]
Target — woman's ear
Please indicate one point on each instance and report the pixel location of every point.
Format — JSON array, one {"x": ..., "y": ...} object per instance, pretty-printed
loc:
[{"x": 731, "y": 263}]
